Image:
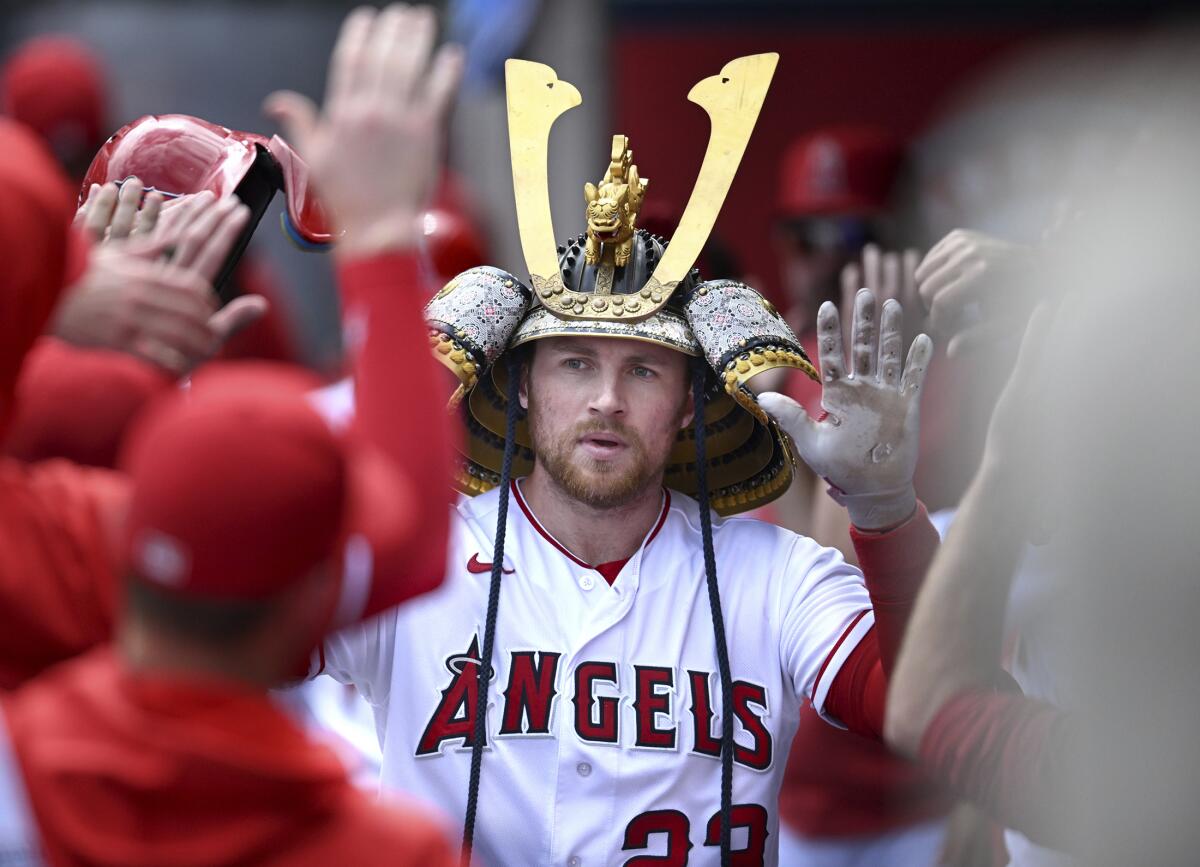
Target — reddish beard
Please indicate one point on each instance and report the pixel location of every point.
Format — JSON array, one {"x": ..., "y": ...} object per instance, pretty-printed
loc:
[{"x": 600, "y": 484}]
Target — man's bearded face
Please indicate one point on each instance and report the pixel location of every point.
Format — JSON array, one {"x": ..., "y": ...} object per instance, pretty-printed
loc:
[{"x": 604, "y": 414}]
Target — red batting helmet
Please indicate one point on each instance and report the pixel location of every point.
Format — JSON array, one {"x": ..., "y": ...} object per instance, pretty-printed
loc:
[{"x": 177, "y": 155}]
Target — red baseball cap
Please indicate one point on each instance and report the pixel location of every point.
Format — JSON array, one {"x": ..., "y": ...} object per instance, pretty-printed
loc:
[
  {"x": 241, "y": 487},
  {"x": 452, "y": 242},
  {"x": 839, "y": 171},
  {"x": 55, "y": 85}
]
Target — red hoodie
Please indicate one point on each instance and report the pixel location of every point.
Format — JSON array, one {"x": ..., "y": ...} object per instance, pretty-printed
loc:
[
  {"x": 145, "y": 771},
  {"x": 57, "y": 522}
]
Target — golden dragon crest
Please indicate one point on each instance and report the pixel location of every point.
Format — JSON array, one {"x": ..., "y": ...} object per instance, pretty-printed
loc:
[{"x": 612, "y": 207}]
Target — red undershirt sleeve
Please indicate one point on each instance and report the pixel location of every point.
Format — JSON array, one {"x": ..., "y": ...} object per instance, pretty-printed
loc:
[
  {"x": 1001, "y": 750},
  {"x": 1008, "y": 754},
  {"x": 894, "y": 564},
  {"x": 400, "y": 411},
  {"x": 858, "y": 695}
]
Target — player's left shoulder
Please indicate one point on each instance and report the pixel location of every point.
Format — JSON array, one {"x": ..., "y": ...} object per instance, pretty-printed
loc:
[
  {"x": 743, "y": 535},
  {"x": 745, "y": 540}
]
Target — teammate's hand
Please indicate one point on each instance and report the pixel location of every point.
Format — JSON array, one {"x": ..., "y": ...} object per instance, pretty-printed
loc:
[
  {"x": 889, "y": 274},
  {"x": 131, "y": 299},
  {"x": 112, "y": 214},
  {"x": 866, "y": 444},
  {"x": 375, "y": 147},
  {"x": 975, "y": 288}
]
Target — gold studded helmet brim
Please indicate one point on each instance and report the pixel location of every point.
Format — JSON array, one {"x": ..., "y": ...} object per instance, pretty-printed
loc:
[{"x": 665, "y": 328}]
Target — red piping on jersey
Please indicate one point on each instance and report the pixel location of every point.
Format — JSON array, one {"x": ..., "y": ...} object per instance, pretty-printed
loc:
[
  {"x": 516, "y": 490},
  {"x": 833, "y": 653},
  {"x": 662, "y": 519}
]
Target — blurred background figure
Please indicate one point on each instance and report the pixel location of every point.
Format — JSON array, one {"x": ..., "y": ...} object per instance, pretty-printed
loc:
[
  {"x": 1072, "y": 559},
  {"x": 834, "y": 194},
  {"x": 832, "y": 205},
  {"x": 56, "y": 86}
]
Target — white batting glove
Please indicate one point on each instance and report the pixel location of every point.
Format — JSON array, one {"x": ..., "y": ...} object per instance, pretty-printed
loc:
[{"x": 866, "y": 445}]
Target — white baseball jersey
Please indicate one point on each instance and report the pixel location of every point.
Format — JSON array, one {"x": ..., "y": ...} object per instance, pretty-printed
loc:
[{"x": 603, "y": 719}]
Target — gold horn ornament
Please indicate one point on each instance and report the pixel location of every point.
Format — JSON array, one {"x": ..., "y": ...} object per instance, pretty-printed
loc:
[
  {"x": 733, "y": 100},
  {"x": 536, "y": 99}
]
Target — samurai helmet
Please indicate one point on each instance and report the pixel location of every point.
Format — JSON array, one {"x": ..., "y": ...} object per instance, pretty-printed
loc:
[{"x": 617, "y": 280}]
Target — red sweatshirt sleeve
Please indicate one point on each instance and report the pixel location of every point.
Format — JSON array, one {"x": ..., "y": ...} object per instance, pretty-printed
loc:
[
  {"x": 894, "y": 566},
  {"x": 60, "y": 386},
  {"x": 58, "y": 563},
  {"x": 401, "y": 413},
  {"x": 1008, "y": 754}
]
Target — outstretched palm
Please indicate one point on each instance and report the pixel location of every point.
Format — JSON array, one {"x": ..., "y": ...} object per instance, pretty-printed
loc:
[{"x": 865, "y": 445}]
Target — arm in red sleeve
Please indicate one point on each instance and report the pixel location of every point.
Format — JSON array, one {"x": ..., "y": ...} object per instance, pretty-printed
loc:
[
  {"x": 77, "y": 403},
  {"x": 59, "y": 543},
  {"x": 894, "y": 565},
  {"x": 1008, "y": 754},
  {"x": 400, "y": 411}
]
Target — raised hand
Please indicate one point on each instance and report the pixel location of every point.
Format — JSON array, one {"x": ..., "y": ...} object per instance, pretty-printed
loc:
[
  {"x": 375, "y": 147},
  {"x": 888, "y": 274},
  {"x": 865, "y": 445},
  {"x": 976, "y": 288},
  {"x": 133, "y": 298},
  {"x": 112, "y": 214}
]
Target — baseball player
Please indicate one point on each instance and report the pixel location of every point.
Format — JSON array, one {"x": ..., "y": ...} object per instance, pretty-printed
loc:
[{"x": 611, "y": 673}]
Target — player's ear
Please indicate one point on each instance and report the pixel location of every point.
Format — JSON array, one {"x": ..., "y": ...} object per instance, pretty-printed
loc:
[
  {"x": 689, "y": 408},
  {"x": 523, "y": 390}
]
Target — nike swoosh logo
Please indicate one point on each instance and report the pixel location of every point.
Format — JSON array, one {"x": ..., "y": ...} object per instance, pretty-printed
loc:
[{"x": 476, "y": 567}]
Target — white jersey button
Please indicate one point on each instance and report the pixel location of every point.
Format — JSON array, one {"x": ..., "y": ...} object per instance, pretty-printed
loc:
[
  {"x": 586, "y": 582},
  {"x": 574, "y": 861},
  {"x": 583, "y": 769}
]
